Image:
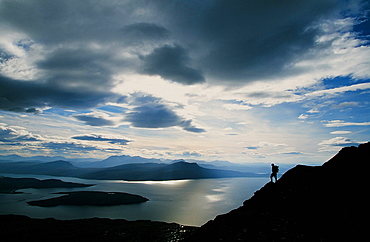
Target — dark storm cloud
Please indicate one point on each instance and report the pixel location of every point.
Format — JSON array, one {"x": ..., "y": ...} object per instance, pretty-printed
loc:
[
  {"x": 76, "y": 74},
  {"x": 28, "y": 96},
  {"x": 78, "y": 42},
  {"x": 74, "y": 59},
  {"x": 96, "y": 137},
  {"x": 153, "y": 116},
  {"x": 152, "y": 112},
  {"x": 144, "y": 31},
  {"x": 242, "y": 41},
  {"x": 91, "y": 120},
  {"x": 79, "y": 68},
  {"x": 172, "y": 63},
  {"x": 68, "y": 21},
  {"x": 84, "y": 44}
]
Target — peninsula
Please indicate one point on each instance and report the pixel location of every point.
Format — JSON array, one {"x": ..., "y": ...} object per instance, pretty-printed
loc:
[
  {"x": 11, "y": 185},
  {"x": 90, "y": 198}
]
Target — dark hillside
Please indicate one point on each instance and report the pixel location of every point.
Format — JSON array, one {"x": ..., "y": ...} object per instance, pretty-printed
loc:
[
  {"x": 22, "y": 228},
  {"x": 323, "y": 203}
]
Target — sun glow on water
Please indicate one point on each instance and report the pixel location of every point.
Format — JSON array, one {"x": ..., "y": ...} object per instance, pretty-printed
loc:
[{"x": 167, "y": 183}]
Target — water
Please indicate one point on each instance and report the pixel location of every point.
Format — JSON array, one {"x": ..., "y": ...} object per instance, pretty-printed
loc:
[{"x": 187, "y": 202}]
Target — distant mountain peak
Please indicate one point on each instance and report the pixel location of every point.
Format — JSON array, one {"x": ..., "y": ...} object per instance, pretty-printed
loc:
[
  {"x": 178, "y": 160},
  {"x": 186, "y": 165},
  {"x": 54, "y": 166},
  {"x": 124, "y": 159},
  {"x": 60, "y": 162}
]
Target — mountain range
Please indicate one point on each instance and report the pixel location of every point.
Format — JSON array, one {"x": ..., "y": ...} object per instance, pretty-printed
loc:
[
  {"x": 130, "y": 172},
  {"x": 112, "y": 161}
]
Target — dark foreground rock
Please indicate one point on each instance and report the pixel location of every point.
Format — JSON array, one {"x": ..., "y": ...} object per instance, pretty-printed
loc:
[
  {"x": 22, "y": 228},
  {"x": 323, "y": 203},
  {"x": 90, "y": 198}
]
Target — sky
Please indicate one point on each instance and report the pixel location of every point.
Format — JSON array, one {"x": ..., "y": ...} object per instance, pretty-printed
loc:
[{"x": 244, "y": 81}]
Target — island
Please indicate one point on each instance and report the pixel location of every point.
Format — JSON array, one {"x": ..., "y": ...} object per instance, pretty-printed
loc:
[
  {"x": 11, "y": 185},
  {"x": 90, "y": 198}
]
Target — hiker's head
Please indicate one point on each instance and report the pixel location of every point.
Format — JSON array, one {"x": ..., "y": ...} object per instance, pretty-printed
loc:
[{"x": 272, "y": 164}]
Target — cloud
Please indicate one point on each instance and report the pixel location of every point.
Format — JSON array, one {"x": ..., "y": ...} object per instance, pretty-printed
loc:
[
  {"x": 303, "y": 116},
  {"x": 266, "y": 145},
  {"x": 190, "y": 58},
  {"x": 74, "y": 68},
  {"x": 154, "y": 115},
  {"x": 188, "y": 126},
  {"x": 18, "y": 139},
  {"x": 234, "y": 106},
  {"x": 52, "y": 62},
  {"x": 240, "y": 39},
  {"x": 144, "y": 31},
  {"x": 29, "y": 96},
  {"x": 334, "y": 91},
  {"x": 92, "y": 120},
  {"x": 97, "y": 137},
  {"x": 339, "y": 141},
  {"x": 11, "y": 135},
  {"x": 172, "y": 63},
  {"x": 292, "y": 153},
  {"x": 341, "y": 132},
  {"x": 154, "y": 112},
  {"x": 341, "y": 123},
  {"x": 69, "y": 22},
  {"x": 345, "y": 105},
  {"x": 78, "y": 49},
  {"x": 191, "y": 153},
  {"x": 65, "y": 147}
]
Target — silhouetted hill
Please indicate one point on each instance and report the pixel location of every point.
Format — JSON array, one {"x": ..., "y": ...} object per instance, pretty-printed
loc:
[
  {"x": 10, "y": 185},
  {"x": 322, "y": 203},
  {"x": 54, "y": 168},
  {"x": 157, "y": 172}
]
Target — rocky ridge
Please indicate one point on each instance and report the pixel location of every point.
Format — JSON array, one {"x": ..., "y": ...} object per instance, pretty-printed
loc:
[{"x": 308, "y": 203}]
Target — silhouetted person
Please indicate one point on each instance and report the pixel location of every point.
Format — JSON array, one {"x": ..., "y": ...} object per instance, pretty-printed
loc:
[{"x": 275, "y": 170}]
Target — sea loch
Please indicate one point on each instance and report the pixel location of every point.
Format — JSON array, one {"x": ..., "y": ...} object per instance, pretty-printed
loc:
[{"x": 187, "y": 202}]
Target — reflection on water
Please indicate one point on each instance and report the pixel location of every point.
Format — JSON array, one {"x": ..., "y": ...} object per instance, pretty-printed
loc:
[
  {"x": 215, "y": 198},
  {"x": 188, "y": 202},
  {"x": 166, "y": 183}
]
